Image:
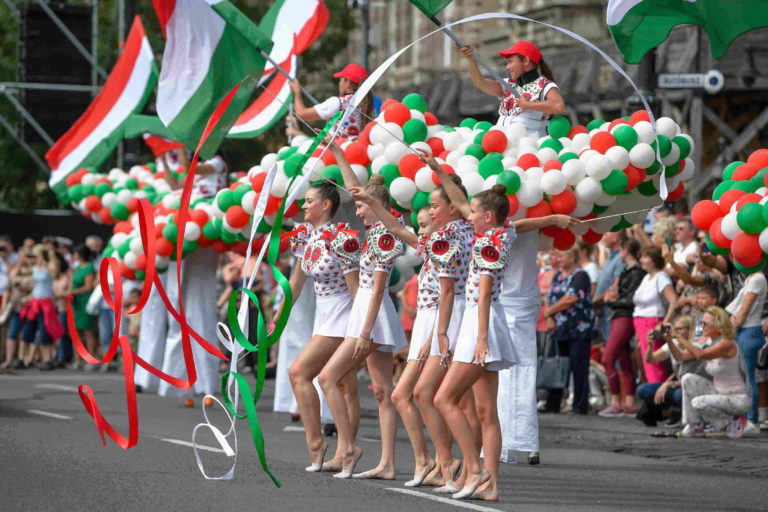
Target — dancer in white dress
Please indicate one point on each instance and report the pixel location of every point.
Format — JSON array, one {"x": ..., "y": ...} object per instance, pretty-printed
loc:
[
  {"x": 329, "y": 254},
  {"x": 484, "y": 346},
  {"x": 374, "y": 333}
]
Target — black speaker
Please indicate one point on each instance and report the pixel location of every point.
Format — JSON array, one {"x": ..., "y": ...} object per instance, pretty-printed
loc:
[{"x": 48, "y": 56}]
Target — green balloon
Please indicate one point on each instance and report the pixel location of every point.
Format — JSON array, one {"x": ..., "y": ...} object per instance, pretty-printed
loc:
[
  {"x": 394, "y": 277},
  {"x": 653, "y": 168},
  {"x": 721, "y": 189},
  {"x": 210, "y": 231},
  {"x": 468, "y": 123},
  {"x": 750, "y": 218},
  {"x": 332, "y": 172},
  {"x": 131, "y": 184},
  {"x": 415, "y": 101},
  {"x": 715, "y": 248},
  {"x": 615, "y": 183},
  {"x": 140, "y": 275},
  {"x": 489, "y": 166},
  {"x": 559, "y": 126},
  {"x": 420, "y": 200},
  {"x": 263, "y": 227},
  {"x": 476, "y": 150},
  {"x": 509, "y": 179},
  {"x": 552, "y": 143},
  {"x": 239, "y": 192},
  {"x": 389, "y": 172},
  {"x": 749, "y": 270},
  {"x": 171, "y": 232},
  {"x": 119, "y": 211},
  {"x": 75, "y": 193},
  {"x": 189, "y": 246},
  {"x": 746, "y": 186},
  {"x": 227, "y": 237},
  {"x": 88, "y": 190},
  {"x": 483, "y": 125},
  {"x": 414, "y": 130},
  {"x": 124, "y": 248},
  {"x": 765, "y": 213},
  {"x": 497, "y": 156},
  {"x": 728, "y": 171},
  {"x": 595, "y": 123},
  {"x": 102, "y": 188},
  {"x": 151, "y": 166},
  {"x": 283, "y": 155},
  {"x": 292, "y": 165},
  {"x": 109, "y": 251},
  {"x": 225, "y": 200},
  {"x": 684, "y": 144},
  {"x": 647, "y": 188},
  {"x": 479, "y": 138},
  {"x": 597, "y": 209},
  {"x": 665, "y": 145},
  {"x": 568, "y": 155},
  {"x": 149, "y": 190},
  {"x": 672, "y": 170},
  {"x": 757, "y": 181},
  {"x": 625, "y": 136}
]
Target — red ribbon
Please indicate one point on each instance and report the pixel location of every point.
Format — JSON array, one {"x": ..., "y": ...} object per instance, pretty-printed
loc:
[
  {"x": 291, "y": 234},
  {"x": 495, "y": 237},
  {"x": 341, "y": 228}
]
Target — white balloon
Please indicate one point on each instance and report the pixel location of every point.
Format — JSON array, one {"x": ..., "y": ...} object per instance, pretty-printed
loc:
[
  {"x": 605, "y": 199},
  {"x": 530, "y": 193},
  {"x": 567, "y": 144},
  {"x": 299, "y": 140},
  {"x": 490, "y": 181},
  {"x": 402, "y": 190},
  {"x": 108, "y": 199},
  {"x": 192, "y": 232},
  {"x": 534, "y": 174},
  {"x": 644, "y": 131},
  {"x": 574, "y": 171},
  {"x": 169, "y": 201},
  {"x": 395, "y": 151},
  {"x": 376, "y": 150},
  {"x": 124, "y": 196},
  {"x": 378, "y": 163},
  {"x": 667, "y": 126},
  {"x": 434, "y": 130},
  {"x": 452, "y": 141},
  {"x": 280, "y": 183},
  {"x": 580, "y": 141},
  {"x": 162, "y": 261},
  {"x": 467, "y": 163},
  {"x": 473, "y": 182},
  {"x": 553, "y": 182},
  {"x": 391, "y": 132},
  {"x": 582, "y": 227},
  {"x": 361, "y": 172},
  {"x": 421, "y": 146},
  {"x": 763, "y": 240},
  {"x": 313, "y": 169},
  {"x": 586, "y": 154},
  {"x": 248, "y": 202},
  {"x": 642, "y": 155},
  {"x": 598, "y": 167},
  {"x": 268, "y": 160},
  {"x": 618, "y": 156},
  {"x": 515, "y": 133},
  {"x": 546, "y": 154},
  {"x": 424, "y": 181},
  {"x": 415, "y": 114},
  {"x": 225, "y": 225},
  {"x": 672, "y": 157},
  {"x": 453, "y": 158},
  {"x": 130, "y": 260},
  {"x": 304, "y": 148},
  {"x": 119, "y": 239},
  {"x": 588, "y": 190},
  {"x": 730, "y": 227},
  {"x": 136, "y": 245},
  {"x": 689, "y": 168}
]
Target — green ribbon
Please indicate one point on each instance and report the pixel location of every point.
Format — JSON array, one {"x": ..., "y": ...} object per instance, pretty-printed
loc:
[{"x": 263, "y": 340}]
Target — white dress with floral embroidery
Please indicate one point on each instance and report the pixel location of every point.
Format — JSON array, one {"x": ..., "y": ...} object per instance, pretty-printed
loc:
[
  {"x": 490, "y": 256},
  {"x": 427, "y": 301},
  {"x": 327, "y": 254},
  {"x": 378, "y": 255}
]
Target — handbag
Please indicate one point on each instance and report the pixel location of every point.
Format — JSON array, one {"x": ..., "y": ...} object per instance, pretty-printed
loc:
[{"x": 553, "y": 372}]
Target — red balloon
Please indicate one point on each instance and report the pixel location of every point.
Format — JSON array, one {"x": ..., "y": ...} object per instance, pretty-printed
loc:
[
  {"x": 746, "y": 249},
  {"x": 579, "y": 128},
  {"x": 564, "y": 240},
  {"x": 219, "y": 246},
  {"x": 123, "y": 227},
  {"x": 430, "y": 119},
  {"x": 199, "y": 217},
  {"x": 704, "y": 213},
  {"x": 203, "y": 242},
  {"x": 602, "y": 142},
  {"x": 106, "y": 216},
  {"x": 728, "y": 198},
  {"x": 257, "y": 181},
  {"x": 745, "y": 172},
  {"x": 494, "y": 141},
  {"x": 104, "y": 180},
  {"x": 748, "y": 198},
  {"x": 126, "y": 272},
  {"x": 357, "y": 153},
  {"x": 592, "y": 237},
  {"x": 717, "y": 236},
  {"x": 528, "y": 160},
  {"x": 542, "y": 209},
  {"x": 514, "y": 204},
  {"x": 563, "y": 203},
  {"x": 436, "y": 144},
  {"x": 398, "y": 113},
  {"x": 552, "y": 165},
  {"x": 141, "y": 262},
  {"x": 617, "y": 122},
  {"x": 409, "y": 165},
  {"x": 93, "y": 203},
  {"x": 236, "y": 216},
  {"x": 326, "y": 157},
  {"x": 365, "y": 135},
  {"x": 677, "y": 193},
  {"x": 633, "y": 177},
  {"x": 759, "y": 158},
  {"x": 292, "y": 210},
  {"x": 448, "y": 169},
  {"x": 387, "y": 103},
  {"x": 74, "y": 178},
  {"x": 552, "y": 231},
  {"x": 640, "y": 115},
  {"x": 163, "y": 247},
  {"x": 132, "y": 204},
  {"x": 272, "y": 205}
]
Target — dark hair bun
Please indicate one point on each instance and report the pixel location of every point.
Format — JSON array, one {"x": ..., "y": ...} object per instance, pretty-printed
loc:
[
  {"x": 376, "y": 179},
  {"x": 499, "y": 189}
]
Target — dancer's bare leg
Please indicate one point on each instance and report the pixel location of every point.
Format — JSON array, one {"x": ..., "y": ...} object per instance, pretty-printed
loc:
[
  {"x": 485, "y": 391},
  {"x": 424, "y": 393},
  {"x": 458, "y": 381},
  {"x": 348, "y": 388},
  {"x": 304, "y": 369},
  {"x": 402, "y": 397}
]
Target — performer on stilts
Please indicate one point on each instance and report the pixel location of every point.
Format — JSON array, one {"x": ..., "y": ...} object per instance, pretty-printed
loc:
[
  {"x": 198, "y": 279},
  {"x": 540, "y": 100},
  {"x": 373, "y": 335}
]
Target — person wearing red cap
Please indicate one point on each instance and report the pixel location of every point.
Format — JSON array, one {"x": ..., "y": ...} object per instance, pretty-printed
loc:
[
  {"x": 350, "y": 79},
  {"x": 530, "y": 77}
]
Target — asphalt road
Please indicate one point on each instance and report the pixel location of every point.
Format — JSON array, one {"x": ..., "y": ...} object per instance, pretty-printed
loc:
[{"x": 52, "y": 459}]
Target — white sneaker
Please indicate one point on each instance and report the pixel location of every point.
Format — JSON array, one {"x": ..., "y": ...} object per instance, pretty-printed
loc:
[
  {"x": 750, "y": 429},
  {"x": 736, "y": 427}
]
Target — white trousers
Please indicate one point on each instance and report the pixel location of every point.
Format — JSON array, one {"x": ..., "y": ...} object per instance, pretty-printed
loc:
[
  {"x": 702, "y": 401},
  {"x": 517, "y": 386},
  {"x": 199, "y": 295},
  {"x": 152, "y": 334}
]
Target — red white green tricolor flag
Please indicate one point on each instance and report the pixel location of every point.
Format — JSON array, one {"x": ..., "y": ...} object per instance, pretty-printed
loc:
[
  {"x": 293, "y": 25},
  {"x": 431, "y": 7},
  {"x": 639, "y": 25},
  {"x": 95, "y": 135},
  {"x": 211, "y": 47}
]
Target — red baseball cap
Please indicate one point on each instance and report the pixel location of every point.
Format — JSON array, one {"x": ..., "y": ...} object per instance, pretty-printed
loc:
[
  {"x": 354, "y": 72},
  {"x": 525, "y": 49}
]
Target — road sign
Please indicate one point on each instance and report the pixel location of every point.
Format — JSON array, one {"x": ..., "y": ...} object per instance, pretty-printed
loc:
[{"x": 712, "y": 81}]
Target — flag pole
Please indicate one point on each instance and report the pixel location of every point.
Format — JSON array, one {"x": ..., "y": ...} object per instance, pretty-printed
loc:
[
  {"x": 483, "y": 64},
  {"x": 288, "y": 76}
]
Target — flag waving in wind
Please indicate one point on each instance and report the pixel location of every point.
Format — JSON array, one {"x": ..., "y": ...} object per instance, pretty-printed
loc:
[
  {"x": 211, "y": 47},
  {"x": 431, "y": 7},
  {"x": 95, "y": 135},
  {"x": 639, "y": 25}
]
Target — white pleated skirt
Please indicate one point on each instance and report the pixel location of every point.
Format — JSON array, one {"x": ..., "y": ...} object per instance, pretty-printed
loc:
[
  {"x": 387, "y": 330},
  {"x": 424, "y": 331},
  {"x": 454, "y": 326},
  {"x": 332, "y": 315},
  {"x": 502, "y": 352}
]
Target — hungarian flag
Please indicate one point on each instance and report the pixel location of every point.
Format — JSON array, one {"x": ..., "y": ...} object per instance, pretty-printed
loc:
[
  {"x": 293, "y": 25},
  {"x": 639, "y": 25},
  {"x": 211, "y": 47},
  {"x": 95, "y": 135},
  {"x": 431, "y": 7},
  {"x": 160, "y": 145}
]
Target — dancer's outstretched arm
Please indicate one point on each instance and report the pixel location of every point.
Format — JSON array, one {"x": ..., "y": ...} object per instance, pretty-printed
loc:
[
  {"x": 455, "y": 195},
  {"x": 390, "y": 222}
]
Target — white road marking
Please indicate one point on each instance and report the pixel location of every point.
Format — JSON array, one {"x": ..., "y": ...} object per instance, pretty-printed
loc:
[
  {"x": 293, "y": 428},
  {"x": 187, "y": 443},
  {"x": 58, "y": 387},
  {"x": 447, "y": 501},
  {"x": 369, "y": 439},
  {"x": 49, "y": 414}
]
